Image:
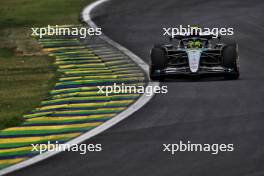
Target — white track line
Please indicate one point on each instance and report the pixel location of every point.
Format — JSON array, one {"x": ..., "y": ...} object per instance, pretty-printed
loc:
[{"x": 130, "y": 110}]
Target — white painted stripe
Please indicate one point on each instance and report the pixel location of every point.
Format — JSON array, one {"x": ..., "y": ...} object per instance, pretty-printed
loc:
[{"x": 126, "y": 113}]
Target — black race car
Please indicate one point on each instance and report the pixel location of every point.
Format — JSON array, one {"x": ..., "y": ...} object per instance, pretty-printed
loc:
[{"x": 194, "y": 55}]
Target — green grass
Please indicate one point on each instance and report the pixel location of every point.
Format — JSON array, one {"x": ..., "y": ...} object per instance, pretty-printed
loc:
[
  {"x": 24, "y": 82},
  {"x": 21, "y": 13},
  {"x": 26, "y": 73}
]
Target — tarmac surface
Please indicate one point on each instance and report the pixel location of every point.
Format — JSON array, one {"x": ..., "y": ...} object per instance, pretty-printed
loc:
[{"x": 200, "y": 110}]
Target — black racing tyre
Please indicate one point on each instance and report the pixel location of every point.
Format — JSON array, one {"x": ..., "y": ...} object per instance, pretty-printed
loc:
[
  {"x": 230, "y": 61},
  {"x": 159, "y": 60}
]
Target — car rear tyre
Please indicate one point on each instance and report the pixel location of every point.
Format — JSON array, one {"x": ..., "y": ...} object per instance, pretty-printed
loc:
[
  {"x": 230, "y": 61},
  {"x": 159, "y": 61}
]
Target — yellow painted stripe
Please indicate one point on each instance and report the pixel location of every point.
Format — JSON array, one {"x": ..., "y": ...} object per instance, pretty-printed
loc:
[
  {"x": 101, "y": 77},
  {"x": 80, "y": 105},
  {"x": 54, "y": 119},
  {"x": 89, "y": 71},
  {"x": 75, "y": 94},
  {"x": 94, "y": 87},
  {"x": 73, "y": 111},
  {"x": 52, "y": 127},
  {"x": 85, "y": 65},
  {"x": 37, "y": 138},
  {"x": 79, "y": 88},
  {"x": 15, "y": 149},
  {"x": 11, "y": 161},
  {"x": 63, "y": 48}
]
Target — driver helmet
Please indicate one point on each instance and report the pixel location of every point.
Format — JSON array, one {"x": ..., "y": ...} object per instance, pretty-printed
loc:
[{"x": 194, "y": 44}]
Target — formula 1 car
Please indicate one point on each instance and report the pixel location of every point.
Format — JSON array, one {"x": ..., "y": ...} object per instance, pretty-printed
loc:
[{"x": 194, "y": 55}]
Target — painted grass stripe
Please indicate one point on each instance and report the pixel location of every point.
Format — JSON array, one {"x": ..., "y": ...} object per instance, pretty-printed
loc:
[
  {"x": 56, "y": 127},
  {"x": 89, "y": 112},
  {"x": 63, "y": 120},
  {"x": 101, "y": 77},
  {"x": 107, "y": 80},
  {"x": 78, "y": 58},
  {"x": 86, "y": 56},
  {"x": 77, "y": 55},
  {"x": 23, "y": 141},
  {"x": 66, "y": 122},
  {"x": 91, "y": 82},
  {"x": 72, "y": 53},
  {"x": 13, "y": 150},
  {"x": 95, "y": 66},
  {"x": 22, "y": 144},
  {"x": 87, "y": 105},
  {"x": 107, "y": 72},
  {"x": 79, "y": 94},
  {"x": 75, "y": 99},
  {"x": 86, "y": 70},
  {"x": 94, "y": 69},
  {"x": 76, "y": 112},
  {"x": 84, "y": 88},
  {"x": 63, "y": 49},
  {"x": 16, "y": 154},
  {"x": 7, "y": 162},
  {"x": 102, "y": 65},
  {"x": 25, "y": 154},
  {"x": 31, "y": 133},
  {"x": 81, "y": 89},
  {"x": 78, "y": 62},
  {"x": 100, "y": 82},
  {"x": 37, "y": 114},
  {"x": 90, "y": 71},
  {"x": 86, "y": 94},
  {"x": 31, "y": 130},
  {"x": 89, "y": 99},
  {"x": 75, "y": 84},
  {"x": 74, "y": 59}
]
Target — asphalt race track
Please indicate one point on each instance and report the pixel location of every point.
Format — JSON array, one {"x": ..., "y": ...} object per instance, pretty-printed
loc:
[{"x": 200, "y": 110}]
